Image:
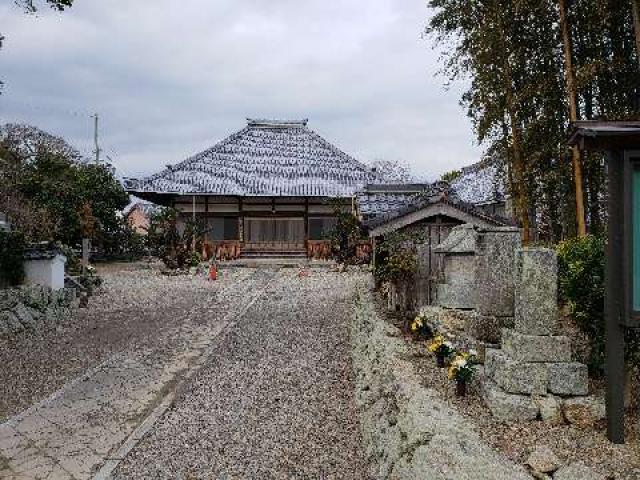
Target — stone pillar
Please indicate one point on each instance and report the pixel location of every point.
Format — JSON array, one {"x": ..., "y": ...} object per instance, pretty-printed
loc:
[
  {"x": 494, "y": 271},
  {"x": 536, "y": 283},
  {"x": 534, "y": 360},
  {"x": 494, "y": 283}
]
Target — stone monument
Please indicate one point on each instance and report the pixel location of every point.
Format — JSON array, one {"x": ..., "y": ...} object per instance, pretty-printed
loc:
[
  {"x": 478, "y": 289},
  {"x": 534, "y": 361},
  {"x": 458, "y": 259}
]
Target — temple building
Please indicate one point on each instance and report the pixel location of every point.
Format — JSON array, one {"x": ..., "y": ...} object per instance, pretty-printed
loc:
[{"x": 273, "y": 188}]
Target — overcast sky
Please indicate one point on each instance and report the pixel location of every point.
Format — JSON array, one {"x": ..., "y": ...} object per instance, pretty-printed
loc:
[{"x": 170, "y": 78}]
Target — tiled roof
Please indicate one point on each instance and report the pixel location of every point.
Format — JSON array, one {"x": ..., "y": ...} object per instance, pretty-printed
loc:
[
  {"x": 385, "y": 199},
  {"x": 480, "y": 183},
  {"x": 266, "y": 158},
  {"x": 148, "y": 208},
  {"x": 424, "y": 201}
]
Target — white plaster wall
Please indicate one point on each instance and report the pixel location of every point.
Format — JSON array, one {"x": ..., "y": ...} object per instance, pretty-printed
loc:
[{"x": 49, "y": 273}]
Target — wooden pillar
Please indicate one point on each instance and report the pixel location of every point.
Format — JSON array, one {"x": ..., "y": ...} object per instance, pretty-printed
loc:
[
  {"x": 614, "y": 299},
  {"x": 206, "y": 227},
  {"x": 206, "y": 218},
  {"x": 306, "y": 224},
  {"x": 240, "y": 220},
  {"x": 373, "y": 252}
]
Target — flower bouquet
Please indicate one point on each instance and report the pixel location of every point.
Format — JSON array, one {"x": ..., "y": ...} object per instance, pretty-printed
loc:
[
  {"x": 462, "y": 369},
  {"x": 442, "y": 348},
  {"x": 419, "y": 327}
]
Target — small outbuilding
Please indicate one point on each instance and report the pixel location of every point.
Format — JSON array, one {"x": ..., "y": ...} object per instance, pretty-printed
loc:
[
  {"x": 44, "y": 265},
  {"x": 431, "y": 214}
]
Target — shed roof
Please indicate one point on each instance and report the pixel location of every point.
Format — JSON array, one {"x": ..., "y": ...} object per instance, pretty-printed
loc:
[
  {"x": 384, "y": 199},
  {"x": 148, "y": 208},
  {"x": 266, "y": 158},
  {"x": 599, "y": 135},
  {"x": 400, "y": 218}
]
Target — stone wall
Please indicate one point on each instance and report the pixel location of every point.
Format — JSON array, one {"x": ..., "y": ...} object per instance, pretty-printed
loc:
[
  {"x": 31, "y": 308},
  {"x": 408, "y": 430}
]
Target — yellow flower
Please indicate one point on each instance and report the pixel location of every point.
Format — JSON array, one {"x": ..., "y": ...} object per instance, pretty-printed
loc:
[{"x": 436, "y": 343}]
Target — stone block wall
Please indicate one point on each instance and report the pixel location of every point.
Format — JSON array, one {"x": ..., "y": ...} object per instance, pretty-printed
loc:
[
  {"x": 30, "y": 308},
  {"x": 408, "y": 430}
]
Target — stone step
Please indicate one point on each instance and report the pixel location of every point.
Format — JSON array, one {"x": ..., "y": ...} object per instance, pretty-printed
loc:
[
  {"x": 272, "y": 254},
  {"x": 536, "y": 348},
  {"x": 509, "y": 407}
]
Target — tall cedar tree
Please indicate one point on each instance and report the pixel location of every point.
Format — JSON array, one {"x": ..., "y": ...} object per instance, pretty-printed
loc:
[{"x": 512, "y": 51}]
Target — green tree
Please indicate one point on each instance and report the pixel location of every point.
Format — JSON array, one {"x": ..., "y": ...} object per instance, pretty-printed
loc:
[
  {"x": 65, "y": 187},
  {"x": 345, "y": 236},
  {"x": 46, "y": 174},
  {"x": 450, "y": 176},
  {"x": 512, "y": 53}
]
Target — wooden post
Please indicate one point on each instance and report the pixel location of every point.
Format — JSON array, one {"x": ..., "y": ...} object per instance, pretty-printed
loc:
[
  {"x": 373, "y": 252},
  {"x": 306, "y": 224},
  {"x": 206, "y": 226},
  {"x": 240, "y": 220},
  {"x": 614, "y": 299}
]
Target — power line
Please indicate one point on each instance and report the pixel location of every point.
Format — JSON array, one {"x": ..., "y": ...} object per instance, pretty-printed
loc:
[{"x": 42, "y": 108}]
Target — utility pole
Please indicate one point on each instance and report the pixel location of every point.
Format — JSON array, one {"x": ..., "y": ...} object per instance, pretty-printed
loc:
[{"x": 95, "y": 137}]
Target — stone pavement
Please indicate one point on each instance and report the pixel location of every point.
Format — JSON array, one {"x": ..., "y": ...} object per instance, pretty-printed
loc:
[{"x": 76, "y": 430}]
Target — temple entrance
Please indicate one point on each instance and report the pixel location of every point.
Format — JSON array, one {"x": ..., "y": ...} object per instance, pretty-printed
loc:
[{"x": 284, "y": 234}]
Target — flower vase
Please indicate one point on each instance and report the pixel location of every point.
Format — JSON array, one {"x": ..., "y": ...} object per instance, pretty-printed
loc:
[
  {"x": 461, "y": 388},
  {"x": 440, "y": 360}
]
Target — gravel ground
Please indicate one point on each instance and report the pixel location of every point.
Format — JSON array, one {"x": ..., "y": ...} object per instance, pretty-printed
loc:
[
  {"x": 274, "y": 400},
  {"x": 136, "y": 308},
  {"x": 570, "y": 443}
]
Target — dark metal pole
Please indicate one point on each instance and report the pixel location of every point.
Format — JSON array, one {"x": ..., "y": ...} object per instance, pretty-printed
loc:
[{"x": 614, "y": 299}]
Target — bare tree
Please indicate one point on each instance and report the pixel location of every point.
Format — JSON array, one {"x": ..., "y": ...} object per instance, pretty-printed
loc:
[
  {"x": 392, "y": 171},
  {"x": 25, "y": 141}
]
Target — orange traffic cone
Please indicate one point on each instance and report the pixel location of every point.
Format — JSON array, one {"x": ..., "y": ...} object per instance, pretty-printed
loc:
[{"x": 213, "y": 272}]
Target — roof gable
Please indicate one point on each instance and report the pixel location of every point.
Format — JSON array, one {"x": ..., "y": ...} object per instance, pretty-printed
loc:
[
  {"x": 430, "y": 207},
  {"x": 266, "y": 158}
]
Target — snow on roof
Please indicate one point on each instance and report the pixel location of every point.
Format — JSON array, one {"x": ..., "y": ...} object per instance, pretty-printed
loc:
[
  {"x": 479, "y": 184},
  {"x": 148, "y": 208},
  {"x": 384, "y": 199},
  {"x": 424, "y": 201},
  {"x": 379, "y": 204},
  {"x": 266, "y": 158}
]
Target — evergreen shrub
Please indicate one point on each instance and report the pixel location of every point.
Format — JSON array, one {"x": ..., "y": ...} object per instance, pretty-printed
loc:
[
  {"x": 12, "y": 249},
  {"x": 581, "y": 285}
]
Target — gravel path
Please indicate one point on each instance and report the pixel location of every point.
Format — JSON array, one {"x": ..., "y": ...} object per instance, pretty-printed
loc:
[
  {"x": 138, "y": 308},
  {"x": 274, "y": 400}
]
